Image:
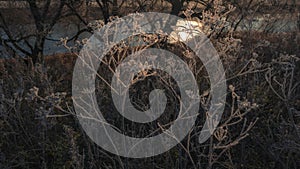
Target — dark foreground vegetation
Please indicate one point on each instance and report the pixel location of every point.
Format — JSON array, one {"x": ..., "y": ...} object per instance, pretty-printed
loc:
[{"x": 260, "y": 127}]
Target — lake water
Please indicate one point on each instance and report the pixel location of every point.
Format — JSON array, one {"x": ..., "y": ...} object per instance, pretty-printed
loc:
[
  {"x": 52, "y": 46},
  {"x": 62, "y": 30}
]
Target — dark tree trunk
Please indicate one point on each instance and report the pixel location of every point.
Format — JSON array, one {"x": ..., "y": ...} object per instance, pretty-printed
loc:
[
  {"x": 298, "y": 21},
  {"x": 115, "y": 10},
  {"x": 38, "y": 50},
  {"x": 104, "y": 8},
  {"x": 176, "y": 6}
]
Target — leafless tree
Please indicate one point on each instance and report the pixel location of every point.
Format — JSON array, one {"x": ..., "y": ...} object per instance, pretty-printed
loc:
[{"x": 45, "y": 15}]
